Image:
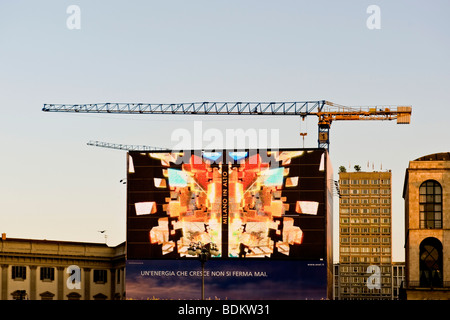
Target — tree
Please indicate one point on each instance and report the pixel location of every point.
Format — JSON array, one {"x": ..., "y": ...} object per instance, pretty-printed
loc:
[
  {"x": 342, "y": 169},
  {"x": 357, "y": 168}
]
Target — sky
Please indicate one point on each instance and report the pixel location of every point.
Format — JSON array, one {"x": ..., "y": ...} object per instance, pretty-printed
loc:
[{"x": 56, "y": 187}]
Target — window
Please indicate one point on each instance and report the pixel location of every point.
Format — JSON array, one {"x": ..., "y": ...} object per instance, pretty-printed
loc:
[
  {"x": 100, "y": 276},
  {"x": 430, "y": 263},
  {"x": 344, "y": 181},
  {"x": 47, "y": 274},
  {"x": 365, "y": 259},
  {"x": 19, "y": 272},
  {"x": 385, "y": 290},
  {"x": 355, "y": 181},
  {"x": 430, "y": 203}
]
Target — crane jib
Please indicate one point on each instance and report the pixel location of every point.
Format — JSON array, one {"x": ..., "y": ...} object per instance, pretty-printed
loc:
[
  {"x": 212, "y": 108},
  {"x": 326, "y": 111}
]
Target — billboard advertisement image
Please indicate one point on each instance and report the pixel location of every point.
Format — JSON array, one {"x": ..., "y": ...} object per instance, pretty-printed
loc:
[{"x": 266, "y": 212}]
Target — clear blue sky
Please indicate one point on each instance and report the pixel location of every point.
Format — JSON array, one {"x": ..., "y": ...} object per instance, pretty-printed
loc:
[{"x": 54, "y": 186}]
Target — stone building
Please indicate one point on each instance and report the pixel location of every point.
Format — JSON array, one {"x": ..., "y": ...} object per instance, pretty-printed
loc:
[
  {"x": 427, "y": 227},
  {"x": 61, "y": 270}
]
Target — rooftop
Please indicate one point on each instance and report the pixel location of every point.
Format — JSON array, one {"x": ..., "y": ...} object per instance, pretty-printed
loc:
[{"x": 442, "y": 156}]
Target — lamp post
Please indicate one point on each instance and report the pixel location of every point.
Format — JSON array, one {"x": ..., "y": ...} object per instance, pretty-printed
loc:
[{"x": 204, "y": 252}]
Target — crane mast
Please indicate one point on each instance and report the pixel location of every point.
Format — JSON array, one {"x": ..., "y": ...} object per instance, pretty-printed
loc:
[{"x": 326, "y": 111}]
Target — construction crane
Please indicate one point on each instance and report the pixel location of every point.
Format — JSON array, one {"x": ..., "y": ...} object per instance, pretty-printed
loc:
[
  {"x": 127, "y": 147},
  {"x": 326, "y": 111}
]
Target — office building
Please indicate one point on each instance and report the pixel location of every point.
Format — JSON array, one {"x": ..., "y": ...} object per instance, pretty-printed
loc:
[
  {"x": 365, "y": 235},
  {"x": 398, "y": 280}
]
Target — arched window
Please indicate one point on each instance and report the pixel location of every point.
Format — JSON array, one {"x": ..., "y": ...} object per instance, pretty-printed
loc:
[
  {"x": 431, "y": 263},
  {"x": 430, "y": 202}
]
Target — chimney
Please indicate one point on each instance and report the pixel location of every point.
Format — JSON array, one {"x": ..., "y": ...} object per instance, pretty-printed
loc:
[{"x": 3, "y": 236}]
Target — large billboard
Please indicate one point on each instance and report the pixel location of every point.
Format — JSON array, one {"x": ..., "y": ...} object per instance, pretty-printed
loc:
[{"x": 268, "y": 213}]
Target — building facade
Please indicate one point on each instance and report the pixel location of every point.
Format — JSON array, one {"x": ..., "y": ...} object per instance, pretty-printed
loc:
[
  {"x": 427, "y": 227},
  {"x": 398, "y": 280},
  {"x": 397, "y": 273},
  {"x": 60, "y": 270},
  {"x": 365, "y": 243}
]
